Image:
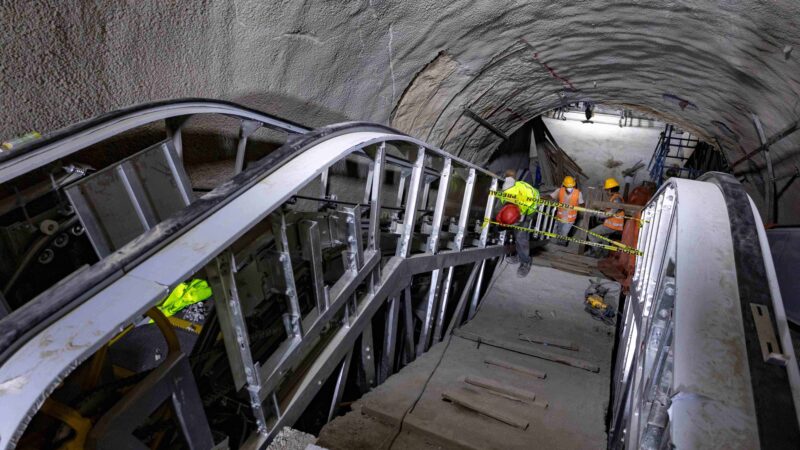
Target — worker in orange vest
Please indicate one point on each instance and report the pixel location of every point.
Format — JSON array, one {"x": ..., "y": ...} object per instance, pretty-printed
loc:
[
  {"x": 568, "y": 194},
  {"x": 615, "y": 220}
]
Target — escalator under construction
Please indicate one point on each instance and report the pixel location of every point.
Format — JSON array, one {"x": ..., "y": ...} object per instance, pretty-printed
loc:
[{"x": 335, "y": 261}]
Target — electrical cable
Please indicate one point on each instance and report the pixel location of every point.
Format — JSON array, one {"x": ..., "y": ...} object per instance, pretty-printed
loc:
[{"x": 399, "y": 428}]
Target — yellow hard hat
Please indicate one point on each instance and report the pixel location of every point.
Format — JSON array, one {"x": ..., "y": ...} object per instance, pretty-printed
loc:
[
  {"x": 568, "y": 181},
  {"x": 610, "y": 183}
]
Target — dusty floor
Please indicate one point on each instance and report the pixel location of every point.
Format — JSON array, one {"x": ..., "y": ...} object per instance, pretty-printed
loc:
[{"x": 408, "y": 411}]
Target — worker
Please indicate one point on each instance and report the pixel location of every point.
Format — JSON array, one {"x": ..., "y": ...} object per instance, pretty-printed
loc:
[
  {"x": 568, "y": 194},
  {"x": 615, "y": 220},
  {"x": 525, "y": 197}
]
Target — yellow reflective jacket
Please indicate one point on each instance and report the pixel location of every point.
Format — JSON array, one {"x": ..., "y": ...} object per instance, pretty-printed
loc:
[
  {"x": 183, "y": 295},
  {"x": 523, "y": 195}
]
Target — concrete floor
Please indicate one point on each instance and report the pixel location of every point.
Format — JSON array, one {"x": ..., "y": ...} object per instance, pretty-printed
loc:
[{"x": 405, "y": 412}]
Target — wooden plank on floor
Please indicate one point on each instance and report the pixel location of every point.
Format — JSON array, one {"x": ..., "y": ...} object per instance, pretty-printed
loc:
[
  {"x": 501, "y": 388},
  {"x": 481, "y": 406},
  {"x": 525, "y": 350},
  {"x": 515, "y": 367}
]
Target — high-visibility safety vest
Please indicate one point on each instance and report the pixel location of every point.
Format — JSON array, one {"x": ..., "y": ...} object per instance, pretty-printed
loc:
[
  {"x": 523, "y": 195},
  {"x": 568, "y": 215},
  {"x": 617, "y": 221},
  {"x": 183, "y": 295}
]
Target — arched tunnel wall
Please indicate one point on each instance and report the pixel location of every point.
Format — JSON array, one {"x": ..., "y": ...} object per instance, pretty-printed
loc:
[{"x": 416, "y": 64}]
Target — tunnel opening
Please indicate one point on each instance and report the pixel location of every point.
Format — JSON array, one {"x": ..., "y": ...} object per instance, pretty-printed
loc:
[{"x": 199, "y": 273}]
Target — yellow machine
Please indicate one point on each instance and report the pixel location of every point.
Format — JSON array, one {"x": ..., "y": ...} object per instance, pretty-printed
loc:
[{"x": 595, "y": 304}]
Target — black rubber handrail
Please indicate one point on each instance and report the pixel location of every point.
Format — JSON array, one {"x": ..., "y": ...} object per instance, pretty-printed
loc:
[{"x": 79, "y": 127}]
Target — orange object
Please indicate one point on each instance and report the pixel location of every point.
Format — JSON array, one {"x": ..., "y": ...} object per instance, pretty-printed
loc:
[
  {"x": 508, "y": 215},
  {"x": 568, "y": 215},
  {"x": 617, "y": 221},
  {"x": 620, "y": 265}
]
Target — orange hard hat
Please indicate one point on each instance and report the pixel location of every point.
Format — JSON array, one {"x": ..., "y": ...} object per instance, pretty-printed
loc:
[{"x": 508, "y": 215}]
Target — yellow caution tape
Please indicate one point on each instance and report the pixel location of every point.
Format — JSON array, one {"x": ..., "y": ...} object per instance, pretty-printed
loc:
[
  {"x": 618, "y": 247},
  {"x": 511, "y": 198}
]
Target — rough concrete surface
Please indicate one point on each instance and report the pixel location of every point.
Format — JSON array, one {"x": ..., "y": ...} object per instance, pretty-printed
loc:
[
  {"x": 291, "y": 439},
  {"x": 705, "y": 65},
  {"x": 577, "y": 398}
]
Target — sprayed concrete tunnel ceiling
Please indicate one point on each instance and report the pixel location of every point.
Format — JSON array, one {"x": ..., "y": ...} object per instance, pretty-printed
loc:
[{"x": 704, "y": 66}]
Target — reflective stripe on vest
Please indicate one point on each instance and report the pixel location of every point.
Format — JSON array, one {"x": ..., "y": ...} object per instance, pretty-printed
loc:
[
  {"x": 568, "y": 215},
  {"x": 617, "y": 221}
]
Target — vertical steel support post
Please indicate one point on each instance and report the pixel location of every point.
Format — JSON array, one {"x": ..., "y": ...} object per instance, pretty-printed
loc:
[
  {"x": 341, "y": 381},
  {"x": 433, "y": 248},
  {"x": 458, "y": 244},
  {"x": 368, "y": 184},
  {"x": 375, "y": 191},
  {"x": 476, "y": 295},
  {"x": 539, "y": 216},
  {"x": 404, "y": 247},
  {"x": 174, "y": 125},
  {"x": 355, "y": 250},
  {"x": 324, "y": 178},
  {"x": 222, "y": 274},
  {"x": 246, "y": 128},
  {"x": 769, "y": 183},
  {"x": 374, "y": 234},
  {"x": 312, "y": 252},
  {"x": 487, "y": 215},
  {"x": 368, "y": 354},
  {"x": 389, "y": 339},
  {"x": 408, "y": 320},
  {"x": 401, "y": 187},
  {"x": 293, "y": 319}
]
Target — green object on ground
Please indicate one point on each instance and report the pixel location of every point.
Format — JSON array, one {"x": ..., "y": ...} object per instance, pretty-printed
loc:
[{"x": 183, "y": 295}]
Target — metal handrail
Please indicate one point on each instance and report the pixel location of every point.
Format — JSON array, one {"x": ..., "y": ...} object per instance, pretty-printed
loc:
[
  {"x": 91, "y": 306},
  {"x": 67, "y": 141},
  {"x": 687, "y": 345}
]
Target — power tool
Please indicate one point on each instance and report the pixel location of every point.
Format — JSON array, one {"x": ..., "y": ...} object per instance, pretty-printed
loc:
[{"x": 595, "y": 303}]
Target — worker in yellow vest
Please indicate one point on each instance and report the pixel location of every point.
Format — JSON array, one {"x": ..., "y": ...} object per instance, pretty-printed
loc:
[
  {"x": 525, "y": 197},
  {"x": 568, "y": 194},
  {"x": 615, "y": 220}
]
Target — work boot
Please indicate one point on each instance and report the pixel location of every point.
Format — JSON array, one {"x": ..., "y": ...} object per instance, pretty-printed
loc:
[
  {"x": 513, "y": 259},
  {"x": 523, "y": 270}
]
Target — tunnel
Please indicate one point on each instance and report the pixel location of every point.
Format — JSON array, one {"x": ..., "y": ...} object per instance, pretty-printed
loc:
[{"x": 329, "y": 175}]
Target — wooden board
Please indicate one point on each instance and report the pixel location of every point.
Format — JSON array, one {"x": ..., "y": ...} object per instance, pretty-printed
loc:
[
  {"x": 515, "y": 367},
  {"x": 501, "y": 388},
  {"x": 481, "y": 406}
]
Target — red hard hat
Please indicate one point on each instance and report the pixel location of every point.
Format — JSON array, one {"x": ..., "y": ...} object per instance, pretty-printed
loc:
[{"x": 508, "y": 215}]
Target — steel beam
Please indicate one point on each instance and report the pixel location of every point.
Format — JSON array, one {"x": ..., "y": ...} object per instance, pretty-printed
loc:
[
  {"x": 769, "y": 183},
  {"x": 222, "y": 277},
  {"x": 246, "y": 128},
  {"x": 390, "y": 336},
  {"x": 341, "y": 382},
  {"x": 410, "y": 218},
  {"x": 433, "y": 248}
]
